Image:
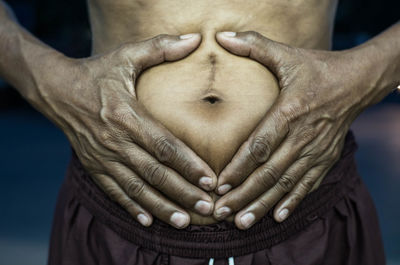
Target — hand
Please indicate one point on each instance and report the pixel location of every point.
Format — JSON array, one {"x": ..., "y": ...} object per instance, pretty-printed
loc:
[
  {"x": 301, "y": 136},
  {"x": 132, "y": 157}
]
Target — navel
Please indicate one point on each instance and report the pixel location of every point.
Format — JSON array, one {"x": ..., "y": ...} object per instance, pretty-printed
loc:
[{"x": 212, "y": 99}]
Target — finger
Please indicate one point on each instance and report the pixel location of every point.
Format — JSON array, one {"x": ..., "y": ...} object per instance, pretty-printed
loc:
[
  {"x": 167, "y": 181},
  {"x": 114, "y": 191},
  {"x": 268, "y": 135},
  {"x": 147, "y": 196},
  {"x": 257, "y": 47},
  {"x": 256, "y": 210},
  {"x": 312, "y": 177},
  {"x": 161, "y": 49},
  {"x": 261, "y": 180},
  {"x": 138, "y": 126},
  {"x": 260, "y": 207},
  {"x": 171, "y": 151},
  {"x": 287, "y": 205}
]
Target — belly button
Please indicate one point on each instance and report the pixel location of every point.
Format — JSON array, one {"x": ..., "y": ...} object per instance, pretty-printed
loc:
[{"x": 211, "y": 99}]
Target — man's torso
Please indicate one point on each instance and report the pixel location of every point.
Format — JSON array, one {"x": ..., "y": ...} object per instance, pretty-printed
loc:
[{"x": 212, "y": 99}]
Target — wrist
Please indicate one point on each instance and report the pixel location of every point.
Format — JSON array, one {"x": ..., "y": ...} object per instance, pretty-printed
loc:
[
  {"x": 46, "y": 71},
  {"x": 379, "y": 65},
  {"x": 25, "y": 62}
]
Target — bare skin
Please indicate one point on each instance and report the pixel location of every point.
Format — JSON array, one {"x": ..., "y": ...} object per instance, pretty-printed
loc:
[
  {"x": 207, "y": 99},
  {"x": 148, "y": 169},
  {"x": 94, "y": 102},
  {"x": 302, "y": 135}
]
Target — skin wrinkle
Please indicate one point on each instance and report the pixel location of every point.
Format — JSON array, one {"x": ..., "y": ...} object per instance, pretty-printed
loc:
[
  {"x": 211, "y": 94},
  {"x": 172, "y": 93},
  {"x": 213, "y": 61}
]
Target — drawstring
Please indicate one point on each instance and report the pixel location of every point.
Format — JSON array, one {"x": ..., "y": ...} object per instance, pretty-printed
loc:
[{"x": 231, "y": 261}]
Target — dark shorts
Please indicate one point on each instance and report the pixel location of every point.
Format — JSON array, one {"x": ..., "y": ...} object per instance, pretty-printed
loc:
[{"x": 336, "y": 224}]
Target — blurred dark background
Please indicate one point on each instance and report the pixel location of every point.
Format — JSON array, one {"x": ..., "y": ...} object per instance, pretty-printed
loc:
[{"x": 34, "y": 154}]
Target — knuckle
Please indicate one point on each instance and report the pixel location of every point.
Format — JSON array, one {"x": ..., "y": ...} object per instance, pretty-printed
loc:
[
  {"x": 190, "y": 170},
  {"x": 124, "y": 50},
  {"x": 264, "y": 205},
  {"x": 310, "y": 134},
  {"x": 187, "y": 196},
  {"x": 127, "y": 204},
  {"x": 294, "y": 108},
  {"x": 155, "y": 174},
  {"x": 268, "y": 176},
  {"x": 105, "y": 136},
  {"x": 286, "y": 183},
  {"x": 119, "y": 113},
  {"x": 293, "y": 67},
  {"x": 157, "y": 206},
  {"x": 309, "y": 154},
  {"x": 113, "y": 193},
  {"x": 134, "y": 187},
  {"x": 107, "y": 139},
  {"x": 124, "y": 53},
  {"x": 256, "y": 42},
  {"x": 160, "y": 41},
  {"x": 259, "y": 149},
  {"x": 252, "y": 36},
  {"x": 305, "y": 161},
  {"x": 331, "y": 155},
  {"x": 291, "y": 110},
  {"x": 305, "y": 135},
  {"x": 165, "y": 150},
  {"x": 307, "y": 184}
]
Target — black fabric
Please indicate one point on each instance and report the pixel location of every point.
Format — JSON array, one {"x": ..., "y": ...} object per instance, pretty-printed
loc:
[{"x": 337, "y": 222}]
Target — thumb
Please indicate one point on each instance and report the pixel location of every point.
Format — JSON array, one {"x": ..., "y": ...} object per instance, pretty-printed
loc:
[
  {"x": 162, "y": 48},
  {"x": 252, "y": 44}
]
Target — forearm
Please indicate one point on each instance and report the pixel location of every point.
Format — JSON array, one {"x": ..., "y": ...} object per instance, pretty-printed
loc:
[
  {"x": 24, "y": 60},
  {"x": 380, "y": 61}
]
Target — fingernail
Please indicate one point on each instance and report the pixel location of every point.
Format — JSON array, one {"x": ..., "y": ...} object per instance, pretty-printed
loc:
[
  {"x": 283, "y": 214},
  {"x": 203, "y": 207},
  {"x": 224, "y": 188},
  {"x": 206, "y": 182},
  {"x": 229, "y": 34},
  {"x": 247, "y": 219},
  {"x": 223, "y": 212},
  {"x": 179, "y": 219},
  {"x": 143, "y": 219},
  {"x": 187, "y": 36}
]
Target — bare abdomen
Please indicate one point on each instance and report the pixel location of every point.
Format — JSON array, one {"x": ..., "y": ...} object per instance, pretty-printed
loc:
[{"x": 211, "y": 100}]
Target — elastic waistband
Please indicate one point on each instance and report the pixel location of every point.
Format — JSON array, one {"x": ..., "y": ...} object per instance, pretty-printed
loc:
[{"x": 222, "y": 239}]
